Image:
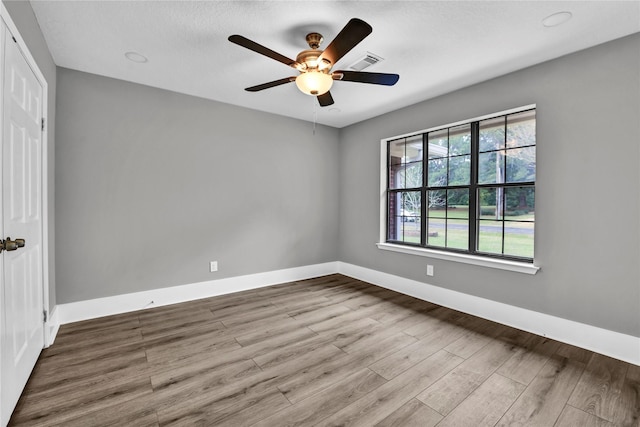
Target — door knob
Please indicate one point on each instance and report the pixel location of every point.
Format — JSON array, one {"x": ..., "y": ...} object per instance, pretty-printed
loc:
[{"x": 12, "y": 245}]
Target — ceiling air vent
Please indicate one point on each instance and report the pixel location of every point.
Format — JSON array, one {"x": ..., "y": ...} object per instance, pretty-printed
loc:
[{"x": 365, "y": 62}]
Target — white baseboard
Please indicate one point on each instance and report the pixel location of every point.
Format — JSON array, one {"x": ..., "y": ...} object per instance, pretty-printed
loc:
[
  {"x": 51, "y": 327},
  {"x": 614, "y": 344},
  {"x": 100, "y": 307}
]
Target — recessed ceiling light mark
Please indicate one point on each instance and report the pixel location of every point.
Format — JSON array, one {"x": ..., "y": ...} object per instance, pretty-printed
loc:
[
  {"x": 136, "y": 57},
  {"x": 556, "y": 19}
]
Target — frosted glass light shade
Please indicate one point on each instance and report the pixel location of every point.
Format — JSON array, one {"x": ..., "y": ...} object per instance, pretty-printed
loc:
[{"x": 314, "y": 82}]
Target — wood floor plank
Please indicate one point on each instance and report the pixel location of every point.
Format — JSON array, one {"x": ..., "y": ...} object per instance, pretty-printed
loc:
[
  {"x": 486, "y": 405},
  {"x": 401, "y": 310},
  {"x": 96, "y": 340},
  {"x": 573, "y": 417},
  {"x": 455, "y": 387},
  {"x": 177, "y": 322},
  {"x": 267, "y": 331},
  {"x": 267, "y": 348},
  {"x": 291, "y": 352},
  {"x": 257, "y": 325},
  {"x": 330, "y": 350},
  {"x": 434, "y": 321},
  {"x": 574, "y": 353},
  {"x": 396, "y": 340},
  {"x": 337, "y": 321},
  {"x": 295, "y": 302},
  {"x": 320, "y": 405},
  {"x": 176, "y": 347},
  {"x": 313, "y": 315},
  {"x": 386, "y": 399},
  {"x": 139, "y": 412},
  {"x": 412, "y": 414},
  {"x": 308, "y": 382},
  {"x": 469, "y": 343},
  {"x": 49, "y": 376},
  {"x": 254, "y": 317},
  {"x": 405, "y": 358},
  {"x": 544, "y": 399},
  {"x": 61, "y": 407},
  {"x": 187, "y": 406},
  {"x": 223, "y": 311},
  {"x": 527, "y": 361},
  {"x": 629, "y": 410},
  {"x": 244, "y": 413},
  {"x": 602, "y": 391},
  {"x": 189, "y": 379}
]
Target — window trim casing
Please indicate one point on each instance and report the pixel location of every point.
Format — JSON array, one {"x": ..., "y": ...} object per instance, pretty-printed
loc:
[{"x": 480, "y": 260}]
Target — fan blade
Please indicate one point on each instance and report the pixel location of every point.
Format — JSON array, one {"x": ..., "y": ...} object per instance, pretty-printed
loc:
[
  {"x": 270, "y": 84},
  {"x": 363, "y": 77},
  {"x": 251, "y": 45},
  {"x": 353, "y": 33},
  {"x": 325, "y": 99}
]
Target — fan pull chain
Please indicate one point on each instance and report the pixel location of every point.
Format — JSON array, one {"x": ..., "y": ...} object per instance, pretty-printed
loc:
[{"x": 315, "y": 114}]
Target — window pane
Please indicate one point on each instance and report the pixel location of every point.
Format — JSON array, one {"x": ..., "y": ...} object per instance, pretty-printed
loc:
[
  {"x": 437, "y": 202},
  {"x": 460, "y": 140},
  {"x": 458, "y": 203},
  {"x": 492, "y": 134},
  {"x": 413, "y": 175},
  {"x": 438, "y": 144},
  {"x": 521, "y": 129},
  {"x": 491, "y": 167},
  {"x": 459, "y": 170},
  {"x": 405, "y": 160},
  {"x": 457, "y": 234},
  {"x": 411, "y": 205},
  {"x": 490, "y": 200},
  {"x": 520, "y": 203},
  {"x": 490, "y": 237},
  {"x": 396, "y": 151},
  {"x": 404, "y": 216},
  {"x": 413, "y": 150},
  {"x": 458, "y": 219},
  {"x": 437, "y": 174},
  {"x": 518, "y": 239},
  {"x": 436, "y": 232},
  {"x": 521, "y": 164}
]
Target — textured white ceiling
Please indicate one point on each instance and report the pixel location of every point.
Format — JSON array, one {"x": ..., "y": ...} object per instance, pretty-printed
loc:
[{"x": 435, "y": 46}]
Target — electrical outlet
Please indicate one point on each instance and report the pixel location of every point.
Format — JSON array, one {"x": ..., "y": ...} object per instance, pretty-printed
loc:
[
  {"x": 429, "y": 270},
  {"x": 213, "y": 266}
]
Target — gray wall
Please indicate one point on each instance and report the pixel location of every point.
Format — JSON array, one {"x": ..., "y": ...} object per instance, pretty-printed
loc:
[
  {"x": 152, "y": 185},
  {"x": 587, "y": 195},
  {"x": 24, "y": 18}
]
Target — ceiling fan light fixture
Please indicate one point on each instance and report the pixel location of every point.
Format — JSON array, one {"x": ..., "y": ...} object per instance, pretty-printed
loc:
[{"x": 314, "y": 82}]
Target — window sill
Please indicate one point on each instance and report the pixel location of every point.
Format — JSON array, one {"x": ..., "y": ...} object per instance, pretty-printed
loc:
[{"x": 519, "y": 267}]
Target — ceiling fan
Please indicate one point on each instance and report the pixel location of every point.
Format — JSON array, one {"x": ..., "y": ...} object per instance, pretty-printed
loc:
[{"x": 314, "y": 65}]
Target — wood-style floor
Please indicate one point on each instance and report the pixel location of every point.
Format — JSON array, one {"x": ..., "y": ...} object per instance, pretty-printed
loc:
[{"x": 328, "y": 351}]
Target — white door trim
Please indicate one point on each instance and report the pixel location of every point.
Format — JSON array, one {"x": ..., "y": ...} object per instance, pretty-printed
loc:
[{"x": 13, "y": 29}]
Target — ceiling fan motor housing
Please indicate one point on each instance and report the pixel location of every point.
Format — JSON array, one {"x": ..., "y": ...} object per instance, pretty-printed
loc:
[{"x": 314, "y": 40}]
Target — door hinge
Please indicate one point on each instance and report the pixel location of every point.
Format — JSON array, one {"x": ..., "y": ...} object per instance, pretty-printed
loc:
[
  {"x": 44, "y": 312},
  {"x": 42, "y": 124}
]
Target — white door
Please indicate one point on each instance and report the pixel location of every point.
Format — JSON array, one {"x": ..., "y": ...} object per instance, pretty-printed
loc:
[{"x": 22, "y": 281}]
